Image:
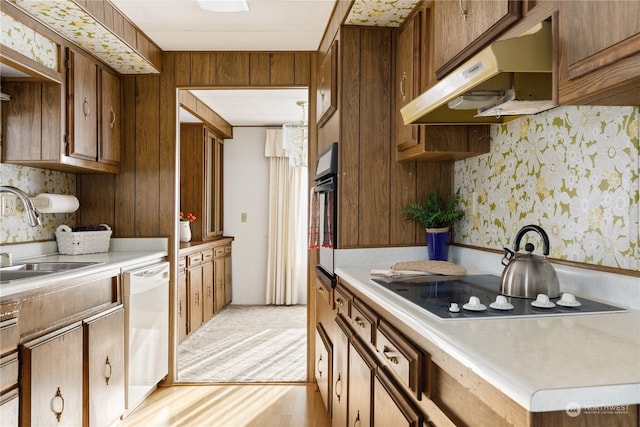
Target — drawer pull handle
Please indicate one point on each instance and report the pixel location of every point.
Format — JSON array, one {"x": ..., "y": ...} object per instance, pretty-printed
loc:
[
  {"x": 108, "y": 370},
  {"x": 358, "y": 321},
  {"x": 180, "y": 308},
  {"x": 318, "y": 366},
  {"x": 357, "y": 420},
  {"x": 58, "y": 396},
  {"x": 392, "y": 359},
  {"x": 402, "y": 80},
  {"x": 339, "y": 381},
  {"x": 340, "y": 302},
  {"x": 197, "y": 297}
]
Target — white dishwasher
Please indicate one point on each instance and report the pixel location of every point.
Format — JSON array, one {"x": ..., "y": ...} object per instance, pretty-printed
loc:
[{"x": 146, "y": 305}]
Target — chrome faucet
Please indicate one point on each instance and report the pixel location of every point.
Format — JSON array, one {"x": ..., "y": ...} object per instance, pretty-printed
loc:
[{"x": 33, "y": 216}]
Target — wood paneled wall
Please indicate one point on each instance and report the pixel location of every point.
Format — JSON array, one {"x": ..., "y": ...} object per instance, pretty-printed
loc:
[{"x": 143, "y": 200}]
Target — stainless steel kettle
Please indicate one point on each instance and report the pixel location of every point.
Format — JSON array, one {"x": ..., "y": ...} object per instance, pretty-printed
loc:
[{"x": 527, "y": 275}]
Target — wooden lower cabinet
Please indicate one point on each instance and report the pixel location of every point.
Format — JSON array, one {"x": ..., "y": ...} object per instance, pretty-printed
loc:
[
  {"x": 207, "y": 286},
  {"x": 340, "y": 372},
  {"x": 194, "y": 288},
  {"x": 104, "y": 380},
  {"x": 390, "y": 407},
  {"x": 204, "y": 284},
  {"x": 9, "y": 408},
  {"x": 361, "y": 369},
  {"x": 51, "y": 385},
  {"x": 218, "y": 277},
  {"x": 182, "y": 301},
  {"x": 324, "y": 366}
]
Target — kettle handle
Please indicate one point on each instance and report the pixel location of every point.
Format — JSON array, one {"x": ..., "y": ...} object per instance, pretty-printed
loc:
[{"x": 537, "y": 229}]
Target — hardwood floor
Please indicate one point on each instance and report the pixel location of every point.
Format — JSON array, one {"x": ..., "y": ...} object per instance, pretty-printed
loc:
[{"x": 273, "y": 405}]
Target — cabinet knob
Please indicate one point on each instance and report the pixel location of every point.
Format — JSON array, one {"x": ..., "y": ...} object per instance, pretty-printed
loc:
[
  {"x": 358, "y": 321},
  {"x": 356, "y": 422},
  {"x": 57, "y": 398}
]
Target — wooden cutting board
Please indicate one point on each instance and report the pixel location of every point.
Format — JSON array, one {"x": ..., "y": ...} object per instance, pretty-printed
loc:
[{"x": 436, "y": 267}]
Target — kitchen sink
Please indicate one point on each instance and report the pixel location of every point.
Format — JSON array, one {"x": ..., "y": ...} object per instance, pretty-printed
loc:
[
  {"x": 33, "y": 269},
  {"x": 11, "y": 275}
]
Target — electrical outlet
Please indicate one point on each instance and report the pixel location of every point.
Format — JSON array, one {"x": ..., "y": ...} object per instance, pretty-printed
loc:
[
  {"x": 243, "y": 217},
  {"x": 9, "y": 205}
]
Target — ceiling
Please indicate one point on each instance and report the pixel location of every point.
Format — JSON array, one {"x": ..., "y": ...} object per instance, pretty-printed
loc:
[{"x": 270, "y": 25}]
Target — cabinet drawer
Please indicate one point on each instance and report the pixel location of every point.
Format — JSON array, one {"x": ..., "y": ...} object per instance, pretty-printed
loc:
[
  {"x": 8, "y": 335},
  {"x": 342, "y": 300},
  {"x": 227, "y": 249},
  {"x": 207, "y": 255},
  {"x": 8, "y": 371},
  {"x": 194, "y": 259},
  {"x": 182, "y": 264},
  {"x": 400, "y": 356},
  {"x": 364, "y": 321},
  {"x": 219, "y": 251}
]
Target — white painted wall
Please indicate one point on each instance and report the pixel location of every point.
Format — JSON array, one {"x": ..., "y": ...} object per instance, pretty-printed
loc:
[{"x": 246, "y": 189}]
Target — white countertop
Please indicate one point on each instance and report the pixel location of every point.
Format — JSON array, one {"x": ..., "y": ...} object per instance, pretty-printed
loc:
[
  {"x": 543, "y": 363},
  {"x": 123, "y": 254}
]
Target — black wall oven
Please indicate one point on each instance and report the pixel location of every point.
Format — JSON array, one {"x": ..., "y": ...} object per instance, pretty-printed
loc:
[{"x": 323, "y": 211}]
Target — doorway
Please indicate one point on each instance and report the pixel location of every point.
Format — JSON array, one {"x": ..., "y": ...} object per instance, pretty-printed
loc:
[{"x": 225, "y": 340}]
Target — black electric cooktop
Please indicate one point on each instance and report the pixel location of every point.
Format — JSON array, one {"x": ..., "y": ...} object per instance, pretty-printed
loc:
[{"x": 436, "y": 294}]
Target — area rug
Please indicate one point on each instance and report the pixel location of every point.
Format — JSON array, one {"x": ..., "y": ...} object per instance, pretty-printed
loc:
[{"x": 247, "y": 344}]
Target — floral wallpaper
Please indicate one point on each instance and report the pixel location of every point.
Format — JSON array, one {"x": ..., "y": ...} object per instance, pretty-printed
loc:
[
  {"x": 382, "y": 13},
  {"x": 34, "y": 181},
  {"x": 573, "y": 171},
  {"x": 26, "y": 41},
  {"x": 70, "y": 20}
]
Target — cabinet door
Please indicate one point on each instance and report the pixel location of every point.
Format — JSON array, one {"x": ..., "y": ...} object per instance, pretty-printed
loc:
[
  {"x": 463, "y": 27},
  {"x": 82, "y": 107},
  {"x": 207, "y": 290},
  {"x": 213, "y": 185},
  {"x": 408, "y": 62},
  {"x": 340, "y": 394},
  {"x": 599, "y": 61},
  {"x": 9, "y": 408},
  {"x": 104, "y": 367},
  {"x": 110, "y": 118},
  {"x": 390, "y": 407},
  {"x": 51, "y": 383},
  {"x": 218, "y": 274},
  {"x": 360, "y": 382},
  {"x": 324, "y": 366},
  {"x": 194, "y": 285},
  {"x": 182, "y": 305},
  {"x": 228, "y": 287}
]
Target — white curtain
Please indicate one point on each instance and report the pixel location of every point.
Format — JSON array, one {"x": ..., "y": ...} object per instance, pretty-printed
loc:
[{"x": 287, "y": 254}]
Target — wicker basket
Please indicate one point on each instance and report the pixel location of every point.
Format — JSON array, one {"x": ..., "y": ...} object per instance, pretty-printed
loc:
[{"x": 82, "y": 242}]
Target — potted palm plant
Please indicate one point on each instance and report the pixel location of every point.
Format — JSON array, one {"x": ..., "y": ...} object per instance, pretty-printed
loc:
[{"x": 437, "y": 218}]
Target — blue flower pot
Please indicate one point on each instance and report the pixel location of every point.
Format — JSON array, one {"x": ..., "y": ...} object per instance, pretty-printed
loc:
[{"x": 438, "y": 244}]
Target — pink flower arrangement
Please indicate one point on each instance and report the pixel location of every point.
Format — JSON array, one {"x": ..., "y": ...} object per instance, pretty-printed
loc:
[{"x": 189, "y": 217}]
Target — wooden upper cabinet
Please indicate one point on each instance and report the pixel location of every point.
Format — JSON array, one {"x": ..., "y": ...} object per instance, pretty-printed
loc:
[
  {"x": 408, "y": 63},
  {"x": 93, "y": 114},
  {"x": 465, "y": 26},
  {"x": 421, "y": 142},
  {"x": 327, "y": 85},
  {"x": 110, "y": 118},
  {"x": 201, "y": 160},
  {"x": 599, "y": 52},
  {"x": 82, "y": 108}
]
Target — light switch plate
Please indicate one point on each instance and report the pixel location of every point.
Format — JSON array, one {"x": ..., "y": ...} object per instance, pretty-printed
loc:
[{"x": 243, "y": 217}]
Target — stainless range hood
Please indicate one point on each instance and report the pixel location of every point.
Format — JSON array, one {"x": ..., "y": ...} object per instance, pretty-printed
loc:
[{"x": 509, "y": 77}]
